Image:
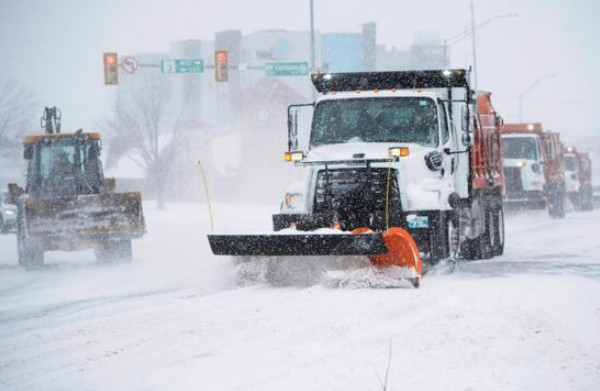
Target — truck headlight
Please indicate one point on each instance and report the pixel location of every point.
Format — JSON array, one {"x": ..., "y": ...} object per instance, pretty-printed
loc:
[
  {"x": 10, "y": 213},
  {"x": 293, "y": 200}
]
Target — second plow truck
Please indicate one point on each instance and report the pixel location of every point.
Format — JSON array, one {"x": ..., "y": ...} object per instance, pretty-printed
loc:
[
  {"x": 67, "y": 203},
  {"x": 402, "y": 167},
  {"x": 578, "y": 174},
  {"x": 534, "y": 170}
]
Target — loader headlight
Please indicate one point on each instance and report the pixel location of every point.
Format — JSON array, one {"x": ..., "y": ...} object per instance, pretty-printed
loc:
[{"x": 293, "y": 200}]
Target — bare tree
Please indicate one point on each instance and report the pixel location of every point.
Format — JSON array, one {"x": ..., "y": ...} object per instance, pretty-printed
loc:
[
  {"x": 17, "y": 114},
  {"x": 146, "y": 127}
]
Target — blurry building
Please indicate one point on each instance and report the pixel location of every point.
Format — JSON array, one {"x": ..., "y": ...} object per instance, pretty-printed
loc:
[{"x": 238, "y": 127}]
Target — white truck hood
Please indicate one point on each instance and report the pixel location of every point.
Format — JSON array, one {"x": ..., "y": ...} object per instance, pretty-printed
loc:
[{"x": 357, "y": 151}]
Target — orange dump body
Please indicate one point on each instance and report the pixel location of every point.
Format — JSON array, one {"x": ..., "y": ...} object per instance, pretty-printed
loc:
[{"x": 487, "y": 145}]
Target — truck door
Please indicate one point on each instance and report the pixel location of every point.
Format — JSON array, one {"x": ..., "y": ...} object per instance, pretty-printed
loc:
[{"x": 462, "y": 145}]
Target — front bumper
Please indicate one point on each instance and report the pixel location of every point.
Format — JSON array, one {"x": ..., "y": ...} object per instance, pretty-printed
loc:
[{"x": 534, "y": 199}]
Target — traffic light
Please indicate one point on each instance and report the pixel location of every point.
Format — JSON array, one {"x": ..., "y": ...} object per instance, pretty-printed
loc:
[
  {"x": 111, "y": 69},
  {"x": 221, "y": 66}
]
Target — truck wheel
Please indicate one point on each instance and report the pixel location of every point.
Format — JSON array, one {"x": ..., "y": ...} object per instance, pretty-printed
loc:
[
  {"x": 453, "y": 239},
  {"x": 481, "y": 247},
  {"x": 113, "y": 251},
  {"x": 498, "y": 246},
  {"x": 589, "y": 199},
  {"x": 557, "y": 209},
  {"x": 3, "y": 227},
  {"x": 31, "y": 257}
]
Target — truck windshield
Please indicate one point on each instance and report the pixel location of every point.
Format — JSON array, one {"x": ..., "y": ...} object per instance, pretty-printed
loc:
[
  {"x": 376, "y": 120},
  {"x": 520, "y": 148},
  {"x": 570, "y": 163}
]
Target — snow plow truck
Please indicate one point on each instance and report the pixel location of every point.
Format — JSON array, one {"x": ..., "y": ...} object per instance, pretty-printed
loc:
[
  {"x": 534, "y": 168},
  {"x": 578, "y": 174},
  {"x": 67, "y": 203},
  {"x": 402, "y": 167}
]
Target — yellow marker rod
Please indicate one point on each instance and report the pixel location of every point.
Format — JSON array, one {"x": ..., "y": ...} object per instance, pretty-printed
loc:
[{"x": 210, "y": 214}]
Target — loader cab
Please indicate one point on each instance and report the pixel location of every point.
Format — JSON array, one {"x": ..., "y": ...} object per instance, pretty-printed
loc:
[{"x": 64, "y": 164}]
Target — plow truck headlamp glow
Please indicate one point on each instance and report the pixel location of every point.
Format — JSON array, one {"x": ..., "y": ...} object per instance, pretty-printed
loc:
[
  {"x": 293, "y": 200},
  {"x": 521, "y": 164},
  {"x": 398, "y": 152},
  {"x": 10, "y": 212},
  {"x": 293, "y": 156}
]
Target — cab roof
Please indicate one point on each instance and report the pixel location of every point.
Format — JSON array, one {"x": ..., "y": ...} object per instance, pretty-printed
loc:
[
  {"x": 94, "y": 136},
  {"x": 531, "y": 127}
]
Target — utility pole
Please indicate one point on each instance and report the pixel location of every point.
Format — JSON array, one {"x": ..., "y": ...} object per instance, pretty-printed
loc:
[
  {"x": 312, "y": 37},
  {"x": 528, "y": 90},
  {"x": 474, "y": 41}
]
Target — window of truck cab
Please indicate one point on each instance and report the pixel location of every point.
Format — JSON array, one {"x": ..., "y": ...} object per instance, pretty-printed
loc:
[
  {"x": 525, "y": 147},
  {"x": 376, "y": 120}
]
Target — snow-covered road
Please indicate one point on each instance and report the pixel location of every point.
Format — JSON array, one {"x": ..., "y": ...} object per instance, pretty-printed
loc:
[{"x": 177, "y": 319}]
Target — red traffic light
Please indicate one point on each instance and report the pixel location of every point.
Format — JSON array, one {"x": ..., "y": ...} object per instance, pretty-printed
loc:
[
  {"x": 221, "y": 66},
  {"x": 111, "y": 69}
]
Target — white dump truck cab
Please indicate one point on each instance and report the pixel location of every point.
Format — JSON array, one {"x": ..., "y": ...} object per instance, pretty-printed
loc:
[
  {"x": 388, "y": 161},
  {"x": 524, "y": 170},
  {"x": 387, "y": 149},
  {"x": 572, "y": 182}
]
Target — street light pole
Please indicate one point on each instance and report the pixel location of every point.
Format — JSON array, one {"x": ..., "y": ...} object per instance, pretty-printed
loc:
[
  {"x": 472, "y": 32},
  {"x": 474, "y": 43},
  {"x": 312, "y": 37},
  {"x": 528, "y": 90}
]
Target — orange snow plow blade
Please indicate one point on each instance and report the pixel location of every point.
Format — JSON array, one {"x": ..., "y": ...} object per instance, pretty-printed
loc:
[{"x": 402, "y": 251}]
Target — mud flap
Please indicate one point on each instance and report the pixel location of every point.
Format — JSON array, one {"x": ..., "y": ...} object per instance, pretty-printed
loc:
[{"x": 403, "y": 254}]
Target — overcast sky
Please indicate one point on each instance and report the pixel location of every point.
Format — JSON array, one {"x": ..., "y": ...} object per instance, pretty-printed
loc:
[{"x": 55, "y": 47}]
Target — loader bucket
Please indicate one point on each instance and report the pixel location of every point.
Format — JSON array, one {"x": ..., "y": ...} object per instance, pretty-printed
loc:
[
  {"x": 85, "y": 217},
  {"x": 297, "y": 244}
]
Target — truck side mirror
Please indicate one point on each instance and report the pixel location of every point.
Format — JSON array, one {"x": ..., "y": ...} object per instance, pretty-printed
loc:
[
  {"x": 14, "y": 192},
  {"x": 293, "y": 129}
]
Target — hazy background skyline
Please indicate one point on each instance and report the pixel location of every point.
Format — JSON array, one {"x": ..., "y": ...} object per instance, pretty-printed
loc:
[{"x": 55, "y": 47}]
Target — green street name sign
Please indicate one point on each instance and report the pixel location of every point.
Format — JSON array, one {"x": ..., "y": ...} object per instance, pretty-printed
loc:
[
  {"x": 287, "y": 68},
  {"x": 182, "y": 66}
]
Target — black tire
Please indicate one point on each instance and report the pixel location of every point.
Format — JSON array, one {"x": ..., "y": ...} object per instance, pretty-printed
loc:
[
  {"x": 480, "y": 247},
  {"x": 589, "y": 199},
  {"x": 557, "y": 208},
  {"x": 114, "y": 251},
  {"x": 3, "y": 227},
  {"x": 498, "y": 242},
  {"x": 31, "y": 256},
  {"x": 452, "y": 238}
]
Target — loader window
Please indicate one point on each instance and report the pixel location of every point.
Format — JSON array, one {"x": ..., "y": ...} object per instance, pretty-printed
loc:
[
  {"x": 521, "y": 148},
  {"x": 376, "y": 120}
]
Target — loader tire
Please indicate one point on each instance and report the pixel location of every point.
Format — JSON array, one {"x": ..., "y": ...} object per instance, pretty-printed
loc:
[
  {"x": 114, "y": 251},
  {"x": 31, "y": 256}
]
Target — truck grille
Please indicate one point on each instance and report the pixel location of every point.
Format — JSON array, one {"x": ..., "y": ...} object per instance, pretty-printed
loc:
[
  {"x": 512, "y": 179},
  {"x": 357, "y": 196}
]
